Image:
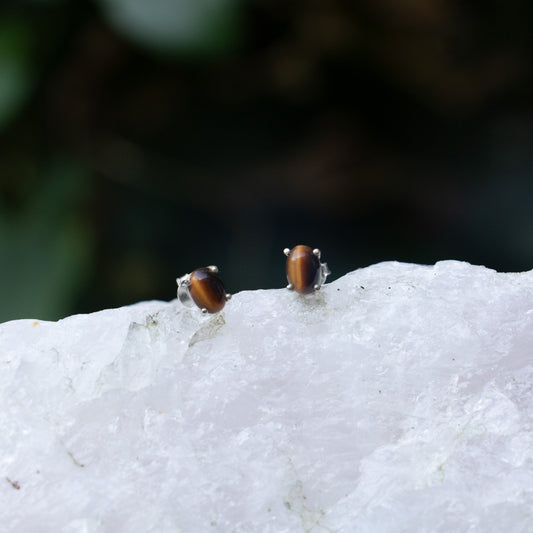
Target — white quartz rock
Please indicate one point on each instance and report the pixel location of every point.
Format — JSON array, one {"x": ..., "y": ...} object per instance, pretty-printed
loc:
[{"x": 397, "y": 398}]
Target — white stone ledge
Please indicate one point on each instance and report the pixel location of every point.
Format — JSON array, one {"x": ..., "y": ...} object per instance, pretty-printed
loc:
[{"x": 397, "y": 398}]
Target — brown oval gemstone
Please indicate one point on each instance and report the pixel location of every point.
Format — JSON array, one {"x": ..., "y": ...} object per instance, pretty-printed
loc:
[
  {"x": 303, "y": 269},
  {"x": 206, "y": 290}
]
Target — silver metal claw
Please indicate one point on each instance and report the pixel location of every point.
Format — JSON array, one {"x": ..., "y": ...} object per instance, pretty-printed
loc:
[{"x": 183, "y": 293}]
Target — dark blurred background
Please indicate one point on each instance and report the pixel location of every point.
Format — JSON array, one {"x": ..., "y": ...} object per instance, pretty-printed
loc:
[{"x": 141, "y": 139}]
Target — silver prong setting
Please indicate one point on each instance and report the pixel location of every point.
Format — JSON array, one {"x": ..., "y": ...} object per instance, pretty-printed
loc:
[
  {"x": 184, "y": 281},
  {"x": 204, "y": 310},
  {"x": 290, "y": 286},
  {"x": 324, "y": 273},
  {"x": 287, "y": 251},
  {"x": 228, "y": 297},
  {"x": 317, "y": 252},
  {"x": 183, "y": 293},
  {"x": 213, "y": 268}
]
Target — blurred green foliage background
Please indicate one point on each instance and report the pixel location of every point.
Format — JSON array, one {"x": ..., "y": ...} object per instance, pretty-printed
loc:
[{"x": 142, "y": 139}]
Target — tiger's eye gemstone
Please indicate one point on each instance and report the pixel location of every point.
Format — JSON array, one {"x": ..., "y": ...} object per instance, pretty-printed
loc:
[
  {"x": 303, "y": 269},
  {"x": 206, "y": 290}
]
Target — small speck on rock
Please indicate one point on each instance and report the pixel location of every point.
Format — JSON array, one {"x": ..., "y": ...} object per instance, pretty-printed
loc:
[{"x": 14, "y": 484}]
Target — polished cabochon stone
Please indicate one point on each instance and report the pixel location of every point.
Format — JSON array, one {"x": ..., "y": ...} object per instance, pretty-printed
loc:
[
  {"x": 207, "y": 290},
  {"x": 396, "y": 398},
  {"x": 303, "y": 269}
]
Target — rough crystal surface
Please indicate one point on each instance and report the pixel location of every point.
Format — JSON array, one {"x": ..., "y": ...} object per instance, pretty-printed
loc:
[{"x": 397, "y": 398}]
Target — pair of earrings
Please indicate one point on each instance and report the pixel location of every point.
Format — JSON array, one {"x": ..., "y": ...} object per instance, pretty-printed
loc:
[{"x": 203, "y": 288}]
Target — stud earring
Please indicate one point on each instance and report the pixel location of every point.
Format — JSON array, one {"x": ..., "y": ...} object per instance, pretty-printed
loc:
[
  {"x": 204, "y": 288},
  {"x": 305, "y": 272}
]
